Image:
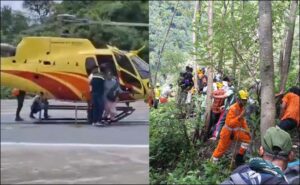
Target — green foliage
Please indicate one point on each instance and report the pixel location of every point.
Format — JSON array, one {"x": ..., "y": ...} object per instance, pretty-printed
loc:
[
  {"x": 12, "y": 23},
  {"x": 41, "y": 9},
  {"x": 178, "y": 42},
  {"x": 6, "y": 92},
  {"x": 125, "y": 38},
  {"x": 167, "y": 139},
  {"x": 173, "y": 159}
]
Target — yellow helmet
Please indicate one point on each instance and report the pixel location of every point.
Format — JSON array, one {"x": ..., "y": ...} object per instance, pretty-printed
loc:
[
  {"x": 243, "y": 95},
  {"x": 219, "y": 85}
]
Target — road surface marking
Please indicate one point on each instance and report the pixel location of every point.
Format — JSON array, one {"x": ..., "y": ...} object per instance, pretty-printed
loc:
[{"x": 73, "y": 145}]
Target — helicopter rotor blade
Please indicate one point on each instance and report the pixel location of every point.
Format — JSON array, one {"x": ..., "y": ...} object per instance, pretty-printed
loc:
[{"x": 84, "y": 22}]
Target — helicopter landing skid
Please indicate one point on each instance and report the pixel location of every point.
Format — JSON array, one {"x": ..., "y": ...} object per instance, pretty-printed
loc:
[
  {"x": 122, "y": 113},
  {"x": 125, "y": 111}
]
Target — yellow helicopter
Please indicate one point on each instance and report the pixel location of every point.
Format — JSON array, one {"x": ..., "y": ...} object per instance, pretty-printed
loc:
[{"x": 59, "y": 67}]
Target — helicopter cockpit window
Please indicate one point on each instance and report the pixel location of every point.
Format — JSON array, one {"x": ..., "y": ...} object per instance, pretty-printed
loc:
[
  {"x": 141, "y": 66},
  {"x": 130, "y": 80},
  {"x": 106, "y": 63},
  {"x": 8, "y": 52},
  {"x": 123, "y": 62},
  {"x": 90, "y": 64}
]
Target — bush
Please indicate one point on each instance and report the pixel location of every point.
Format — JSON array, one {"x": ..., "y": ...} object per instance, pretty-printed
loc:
[
  {"x": 173, "y": 158},
  {"x": 167, "y": 139},
  {"x": 6, "y": 92}
]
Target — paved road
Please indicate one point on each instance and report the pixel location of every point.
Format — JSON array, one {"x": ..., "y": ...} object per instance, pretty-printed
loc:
[{"x": 73, "y": 153}]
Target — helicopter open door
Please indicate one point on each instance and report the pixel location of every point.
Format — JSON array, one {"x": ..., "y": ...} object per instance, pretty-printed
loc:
[{"x": 128, "y": 74}]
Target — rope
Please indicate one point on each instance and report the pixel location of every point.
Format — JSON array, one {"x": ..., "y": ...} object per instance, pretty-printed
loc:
[{"x": 164, "y": 42}]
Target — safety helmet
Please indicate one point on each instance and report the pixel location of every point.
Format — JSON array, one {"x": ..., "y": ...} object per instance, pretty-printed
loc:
[
  {"x": 219, "y": 85},
  {"x": 243, "y": 95},
  {"x": 157, "y": 84}
]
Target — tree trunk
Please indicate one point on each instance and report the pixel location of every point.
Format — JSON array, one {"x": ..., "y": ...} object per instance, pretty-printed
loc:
[
  {"x": 288, "y": 46},
  {"x": 195, "y": 32},
  {"x": 209, "y": 71},
  {"x": 234, "y": 62},
  {"x": 163, "y": 45},
  {"x": 221, "y": 55},
  {"x": 267, "y": 115},
  {"x": 221, "y": 61},
  {"x": 197, "y": 16},
  {"x": 208, "y": 102}
]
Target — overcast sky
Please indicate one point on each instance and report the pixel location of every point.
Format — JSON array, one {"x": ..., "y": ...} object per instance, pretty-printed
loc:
[{"x": 15, "y": 5}]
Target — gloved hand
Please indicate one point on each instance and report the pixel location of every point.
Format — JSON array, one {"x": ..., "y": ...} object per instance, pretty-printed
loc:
[
  {"x": 231, "y": 135},
  {"x": 247, "y": 129}
]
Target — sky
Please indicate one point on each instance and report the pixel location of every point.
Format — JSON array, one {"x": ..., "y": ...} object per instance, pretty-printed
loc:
[{"x": 15, "y": 5}]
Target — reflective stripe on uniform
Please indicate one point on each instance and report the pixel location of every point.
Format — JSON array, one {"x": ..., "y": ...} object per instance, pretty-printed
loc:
[
  {"x": 235, "y": 129},
  {"x": 244, "y": 145},
  {"x": 96, "y": 76}
]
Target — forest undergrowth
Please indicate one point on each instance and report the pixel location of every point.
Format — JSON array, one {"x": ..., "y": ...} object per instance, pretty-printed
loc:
[{"x": 176, "y": 159}]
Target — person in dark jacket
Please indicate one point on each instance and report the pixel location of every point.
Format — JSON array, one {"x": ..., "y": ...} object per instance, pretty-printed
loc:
[
  {"x": 97, "y": 92},
  {"x": 20, "y": 95},
  {"x": 39, "y": 102},
  {"x": 276, "y": 152}
]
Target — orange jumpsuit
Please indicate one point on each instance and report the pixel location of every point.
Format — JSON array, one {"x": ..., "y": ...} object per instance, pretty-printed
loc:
[
  {"x": 238, "y": 127},
  {"x": 292, "y": 107}
]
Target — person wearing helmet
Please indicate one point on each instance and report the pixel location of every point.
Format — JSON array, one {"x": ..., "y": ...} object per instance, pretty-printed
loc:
[
  {"x": 156, "y": 95},
  {"x": 216, "y": 106},
  {"x": 235, "y": 128}
]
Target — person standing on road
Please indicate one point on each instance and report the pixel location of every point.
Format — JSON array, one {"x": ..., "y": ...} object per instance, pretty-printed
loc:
[
  {"x": 97, "y": 91},
  {"x": 20, "y": 95},
  {"x": 111, "y": 92}
]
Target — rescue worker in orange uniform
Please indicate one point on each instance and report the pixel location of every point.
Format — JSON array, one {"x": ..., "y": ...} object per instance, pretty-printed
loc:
[
  {"x": 290, "y": 111},
  {"x": 235, "y": 128}
]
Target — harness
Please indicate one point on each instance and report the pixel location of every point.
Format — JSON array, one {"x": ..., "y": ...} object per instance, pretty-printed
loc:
[{"x": 235, "y": 129}]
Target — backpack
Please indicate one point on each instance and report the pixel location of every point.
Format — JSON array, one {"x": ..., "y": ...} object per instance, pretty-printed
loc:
[
  {"x": 292, "y": 174},
  {"x": 187, "y": 82},
  {"x": 113, "y": 93},
  {"x": 245, "y": 175}
]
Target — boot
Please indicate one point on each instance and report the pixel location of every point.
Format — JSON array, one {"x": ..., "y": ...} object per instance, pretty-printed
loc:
[
  {"x": 18, "y": 118},
  {"x": 31, "y": 116},
  {"x": 239, "y": 160}
]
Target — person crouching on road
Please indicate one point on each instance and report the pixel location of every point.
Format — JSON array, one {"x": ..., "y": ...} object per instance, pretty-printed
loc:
[
  {"x": 235, "y": 128},
  {"x": 39, "y": 102},
  {"x": 97, "y": 90},
  {"x": 111, "y": 92},
  {"x": 276, "y": 152},
  {"x": 20, "y": 95}
]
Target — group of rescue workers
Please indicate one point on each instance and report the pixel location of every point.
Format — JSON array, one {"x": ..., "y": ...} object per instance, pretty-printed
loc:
[
  {"x": 228, "y": 123},
  {"x": 104, "y": 89}
]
